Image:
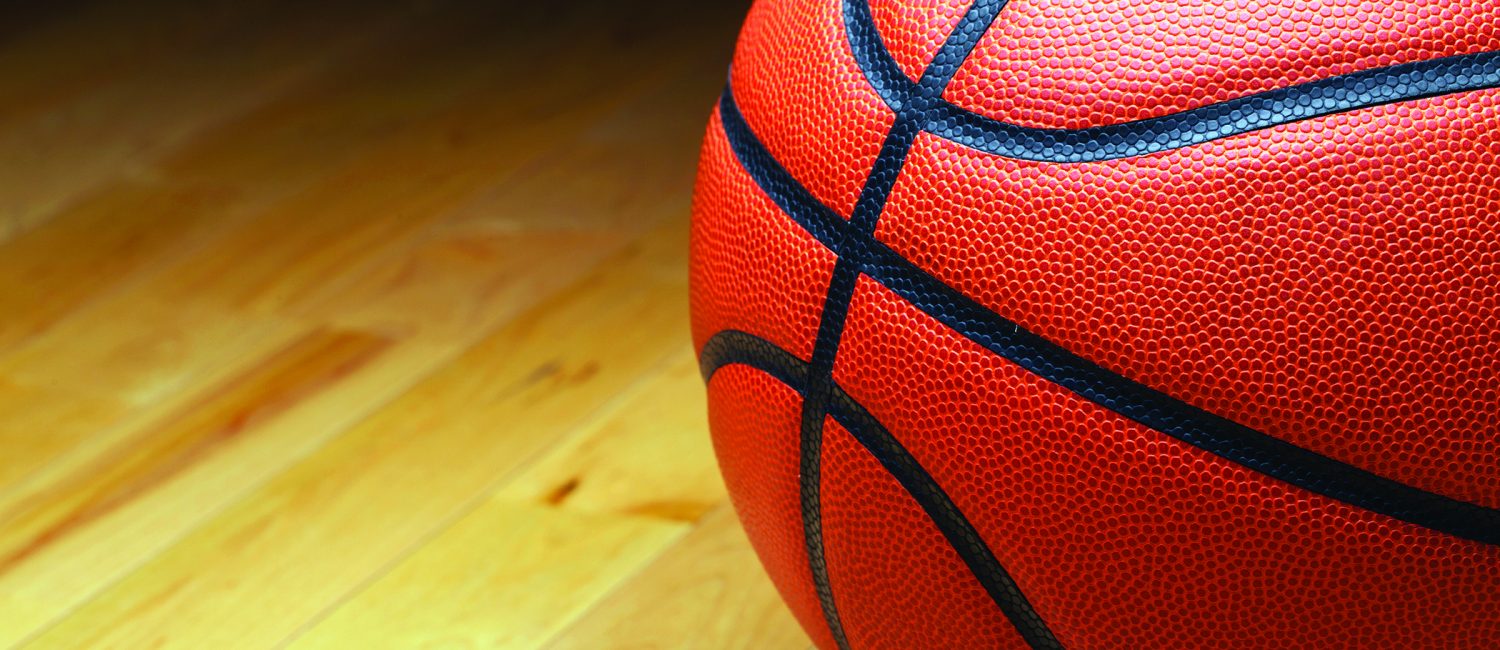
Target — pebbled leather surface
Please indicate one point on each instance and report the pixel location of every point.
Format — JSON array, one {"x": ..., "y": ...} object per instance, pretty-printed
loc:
[{"x": 1209, "y": 370}]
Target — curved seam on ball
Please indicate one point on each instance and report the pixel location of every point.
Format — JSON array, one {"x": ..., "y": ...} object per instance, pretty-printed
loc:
[
  {"x": 909, "y": 122},
  {"x": 1220, "y": 436},
  {"x": 733, "y": 347},
  {"x": 1314, "y": 99}
]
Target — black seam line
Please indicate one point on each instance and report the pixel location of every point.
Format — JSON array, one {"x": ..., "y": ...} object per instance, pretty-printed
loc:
[
  {"x": 1220, "y": 436},
  {"x": 814, "y": 408},
  {"x": 867, "y": 210},
  {"x": 1364, "y": 89},
  {"x": 825, "y": 350},
  {"x": 732, "y": 347}
]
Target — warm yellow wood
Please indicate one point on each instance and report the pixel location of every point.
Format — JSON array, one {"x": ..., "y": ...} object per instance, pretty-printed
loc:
[
  {"x": 311, "y": 535},
  {"x": 647, "y": 457},
  {"x": 402, "y": 102},
  {"x": 385, "y": 100},
  {"x": 507, "y": 575},
  {"x": 345, "y": 325},
  {"x": 306, "y": 367},
  {"x": 457, "y": 281},
  {"x": 137, "y": 348},
  {"x": 42, "y": 424},
  {"x": 96, "y": 512},
  {"x": 685, "y": 600},
  {"x": 108, "y": 238},
  {"x": 609, "y": 469},
  {"x": 280, "y": 428}
]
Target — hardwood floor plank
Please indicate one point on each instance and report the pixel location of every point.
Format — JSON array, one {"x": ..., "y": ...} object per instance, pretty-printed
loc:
[
  {"x": 645, "y": 458},
  {"x": 508, "y": 575},
  {"x": 490, "y": 276},
  {"x": 74, "y": 475},
  {"x": 125, "y": 121},
  {"x": 408, "y": 86},
  {"x": 455, "y": 282},
  {"x": 585, "y": 190},
  {"x": 309, "y": 537},
  {"x": 648, "y": 457},
  {"x": 141, "y": 464},
  {"x": 98, "y": 509},
  {"x": 109, "y": 238},
  {"x": 291, "y": 254},
  {"x": 41, "y": 424},
  {"x": 705, "y": 591},
  {"x": 138, "y": 348},
  {"x": 343, "y": 323}
]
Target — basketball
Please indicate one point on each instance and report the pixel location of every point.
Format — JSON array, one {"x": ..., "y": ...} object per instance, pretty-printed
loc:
[{"x": 1111, "y": 324}]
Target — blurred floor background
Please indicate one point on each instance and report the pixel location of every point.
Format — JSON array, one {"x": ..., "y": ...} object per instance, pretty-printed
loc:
[{"x": 359, "y": 325}]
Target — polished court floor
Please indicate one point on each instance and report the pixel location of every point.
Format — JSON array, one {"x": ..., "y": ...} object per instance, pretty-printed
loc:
[{"x": 359, "y": 325}]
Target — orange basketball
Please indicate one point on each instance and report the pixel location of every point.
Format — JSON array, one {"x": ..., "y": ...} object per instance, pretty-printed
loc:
[{"x": 1111, "y": 323}]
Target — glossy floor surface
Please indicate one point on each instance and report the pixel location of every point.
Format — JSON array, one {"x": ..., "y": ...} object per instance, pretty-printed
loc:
[{"x": 360, "y": 325}]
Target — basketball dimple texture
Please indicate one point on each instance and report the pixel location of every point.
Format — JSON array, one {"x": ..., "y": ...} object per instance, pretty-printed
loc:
[
  {"x": 1178, "y": 326},
  {"x": 1070, "y": 64},
  {"x": 764, "y": 493},
  {"x": 915, "y": 29},
  {"x": 808, "y": 99},
  {"x": 883, "y": 533},
  {"x": 734, "y": 255},
  {"x": 1357, "y": 292},
  {"x": 1127, "y": 539}
]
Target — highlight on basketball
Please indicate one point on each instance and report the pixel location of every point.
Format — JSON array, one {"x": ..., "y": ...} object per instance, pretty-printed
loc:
[{"x": 750, "y": 325}]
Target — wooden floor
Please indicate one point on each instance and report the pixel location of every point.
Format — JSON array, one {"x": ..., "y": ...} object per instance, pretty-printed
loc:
[{"x": 344, "y": 324}]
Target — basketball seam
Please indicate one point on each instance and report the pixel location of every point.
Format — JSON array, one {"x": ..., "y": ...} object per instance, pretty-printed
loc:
[
  {"x": 919, "y": 106},
  {"x": 733, "y": 347},
  {"x": 1242, "y": 445},
  {"x": 911, "y": 117},
  {"x": 1338, "y": 94}
]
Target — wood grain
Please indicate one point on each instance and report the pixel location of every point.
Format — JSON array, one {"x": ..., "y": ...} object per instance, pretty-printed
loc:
[
  {"x": 681, "y": 599},
  {"x": 351, "y": 325}
]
